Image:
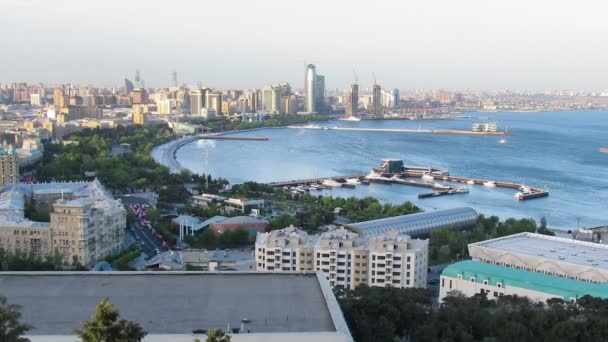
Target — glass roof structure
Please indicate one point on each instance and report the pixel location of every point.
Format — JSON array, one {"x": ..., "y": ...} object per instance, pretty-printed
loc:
[{"x": 418, "y": 224}]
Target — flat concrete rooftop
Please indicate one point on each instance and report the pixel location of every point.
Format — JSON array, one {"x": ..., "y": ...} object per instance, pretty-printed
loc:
[
  {"x": 173, "y": 302},
  {"x": 549, "y": 247}
]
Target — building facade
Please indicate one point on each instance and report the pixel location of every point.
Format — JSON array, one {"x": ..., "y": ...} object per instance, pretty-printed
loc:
[
  {"x": 9, "y": 167},
  {"x": 532, "y": 265},
  {"x": 346, "y": 259},
  {"x": 86, "y": 223},
  {"x": 310, "y": 88}
]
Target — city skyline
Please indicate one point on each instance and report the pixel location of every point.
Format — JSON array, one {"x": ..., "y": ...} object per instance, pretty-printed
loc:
[{"x": 544, "y": 45}]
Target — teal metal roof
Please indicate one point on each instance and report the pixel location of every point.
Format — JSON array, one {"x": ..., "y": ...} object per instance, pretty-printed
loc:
[{"x": 563, "y": 287}]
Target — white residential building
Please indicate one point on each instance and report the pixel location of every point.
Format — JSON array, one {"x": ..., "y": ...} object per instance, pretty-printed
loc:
[{"x": 345, "y": 258}]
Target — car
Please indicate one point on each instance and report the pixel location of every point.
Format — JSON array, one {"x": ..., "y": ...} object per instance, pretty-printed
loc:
[
  {"x": 156, "y": 250},
  {"x": 142, "y": 243}
]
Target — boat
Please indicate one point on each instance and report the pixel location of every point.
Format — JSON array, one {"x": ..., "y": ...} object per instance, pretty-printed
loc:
[
  {"x": 350, "y": 118},
  {"x": 374, "y": 176},
  {"x": 330, "y": 183},
  {"x": 427, "y": 177},
  {"x": 490, "y": 184},
  {"x": 315, "y": 187},
  {"x": 525, "y": 189},
  {"x": 604, "y": 149},
  {"x": 470, "y": 181},
  {"x": 502, "y": 141},
  {"x": 441, "y": 186},
  {"x": 354, "y": 181},
  {"x": 395, "y": 177},
  {"x": 461, "y": 190}
]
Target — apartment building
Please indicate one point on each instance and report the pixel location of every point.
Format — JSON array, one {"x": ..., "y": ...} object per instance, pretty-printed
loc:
[
  {"x": 9, "y": 167},
  {"x": 345, "y": 258},
  {"x": 86, "y": 223}
]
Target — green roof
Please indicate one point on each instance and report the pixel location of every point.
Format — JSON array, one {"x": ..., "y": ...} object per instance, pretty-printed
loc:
[{"x": 563, "y": 287}]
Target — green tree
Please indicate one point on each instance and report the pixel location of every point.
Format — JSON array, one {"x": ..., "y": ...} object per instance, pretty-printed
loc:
[
  {"x": 11, "y": 328},
  {"x": 105, "y": 326},
  {"x": 217, "y": 335}
]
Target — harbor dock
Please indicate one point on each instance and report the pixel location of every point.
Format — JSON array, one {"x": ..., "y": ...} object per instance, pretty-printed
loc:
[
  {"x": 400, "y": 130},
  {"x": 405, "y": 178}
]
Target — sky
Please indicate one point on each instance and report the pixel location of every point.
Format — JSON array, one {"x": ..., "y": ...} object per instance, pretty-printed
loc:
[{"x": 407, "y": 44}]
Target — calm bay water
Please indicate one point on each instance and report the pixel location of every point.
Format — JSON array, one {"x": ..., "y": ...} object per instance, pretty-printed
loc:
[{"x": 554, "y": 149}]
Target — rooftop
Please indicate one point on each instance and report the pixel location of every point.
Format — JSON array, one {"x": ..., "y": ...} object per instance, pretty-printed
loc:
[
  {"x": 240, "y": 220},
  {"x": 554, "y": 248},
  {"x": 417, "y": 224},
  {"x": 559, "y": 286},
  {"x": 177, "y": 302}
]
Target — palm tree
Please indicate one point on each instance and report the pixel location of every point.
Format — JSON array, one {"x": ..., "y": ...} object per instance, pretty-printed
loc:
[
  {"x": 10, "y": 327},
  {"x": 105, "y": 326},
  {"x": 217, "y": 335}
]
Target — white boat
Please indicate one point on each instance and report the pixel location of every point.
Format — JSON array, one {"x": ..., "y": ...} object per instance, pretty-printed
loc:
[
  {"x": 441, "y": 186},
  {"x": 502, "y": 141},
  {"x": 395, "y": 177},
  {"x": 376, "y": 176},
  {"x": 350, "y": 118},
  {"x": 518, "y": 195},
  {"x": 427, "y": 177},
  {"x": 490, "y": 184},
  {"x": 471, "y": 182},
  {"x": 462, "y": 190},
  {"x": 315, "y": 187},
  {"x": 354, "y": 181},
  {"x": 525, "y": 189},
  {"x": 330, "y": 183}
]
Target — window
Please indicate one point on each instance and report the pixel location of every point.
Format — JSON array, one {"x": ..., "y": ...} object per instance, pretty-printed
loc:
[
  {"x": 442, "y": 282},
  {"x": 485, "y": 282},
  {"x": 499, "y": 284},
  {"x": 472, "y": 279}
]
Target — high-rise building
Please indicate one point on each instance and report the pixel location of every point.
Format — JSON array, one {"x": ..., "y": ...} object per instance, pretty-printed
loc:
[
  {"x": 377, "y": 101},
  {"x": 59, "y": 98},
  {"x": 396, "y": 99},
  {"x": 139, "y": 96},
  {"x": 139, "y": 118},
  {"x": 164, "y": 107},
  {"x": 128, "y": 86},
  {"x": 196, "y": 102},
  {"x": 320, "y": 93},
  {"x": 345, "y": 258},
  {"x": 353, "y": 101},
  {"x": 214, "y": 100},
  {"x": 9, "y": 167},
  {"x": 310, "y": 88},
  {"x": 291, "y": 104}
]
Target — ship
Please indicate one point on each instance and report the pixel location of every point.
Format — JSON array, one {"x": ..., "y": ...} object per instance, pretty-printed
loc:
[
  {"x": 392, "y": 166},
  {"x": 604, "y": 149},
  {"x": 330, "y": 183},
  {"x": 350, "y": 118}
]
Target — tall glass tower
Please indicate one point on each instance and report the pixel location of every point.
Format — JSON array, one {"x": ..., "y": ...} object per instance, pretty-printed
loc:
[{"x": 309, "y": 87}]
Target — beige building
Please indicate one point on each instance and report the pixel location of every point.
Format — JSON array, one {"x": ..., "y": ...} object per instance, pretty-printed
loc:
[
  {"x": 86, "y": 223},
  {"x": 345, "y": 258},
  {"x": 9, "y": 167}
]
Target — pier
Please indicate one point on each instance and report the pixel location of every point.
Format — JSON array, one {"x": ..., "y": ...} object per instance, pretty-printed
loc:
[
  {"x": 404, "y": 130},
  {"x": 439, "y": 189}
]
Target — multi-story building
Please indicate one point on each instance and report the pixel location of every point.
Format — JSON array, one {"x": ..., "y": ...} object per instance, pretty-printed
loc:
[
  {"x": 310, "y": 88},
  {"x": 9, "y": 167},
  {"x": 536, "y": 266},
  {"x": 86, "y": 223},
  {"x": 377, "y": 101},
  {"x": 213, "y": 100},
  {"x": 345, "y": 258},
  {"x": 196, "y": 102},
  {"x": 353, "y": 100}
]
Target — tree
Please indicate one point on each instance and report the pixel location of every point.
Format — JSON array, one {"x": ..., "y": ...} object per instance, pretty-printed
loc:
[
  {"x": 10, "y": 327},
  {"x": 105, "y": 326},
  {"x": 217, "y": 335}
]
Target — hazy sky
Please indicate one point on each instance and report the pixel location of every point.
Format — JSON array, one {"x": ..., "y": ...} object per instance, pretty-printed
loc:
[{"x": 480, "y": 44}]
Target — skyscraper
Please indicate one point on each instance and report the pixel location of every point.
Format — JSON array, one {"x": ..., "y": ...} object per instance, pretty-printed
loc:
[
  {"x": 128, "y": 86},
  {"x": 376, "y": 101},
  {"x": 396, "y": 99},
  {"x": 196, "y": 102},
  {"x": 353, "y": 103},
  {"x": 310, "y": 88},
  {"x": 320, "y": 93}
]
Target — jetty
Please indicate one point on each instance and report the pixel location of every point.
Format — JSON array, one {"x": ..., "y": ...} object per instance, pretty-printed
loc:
[{"x": 404, "y": 130}]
